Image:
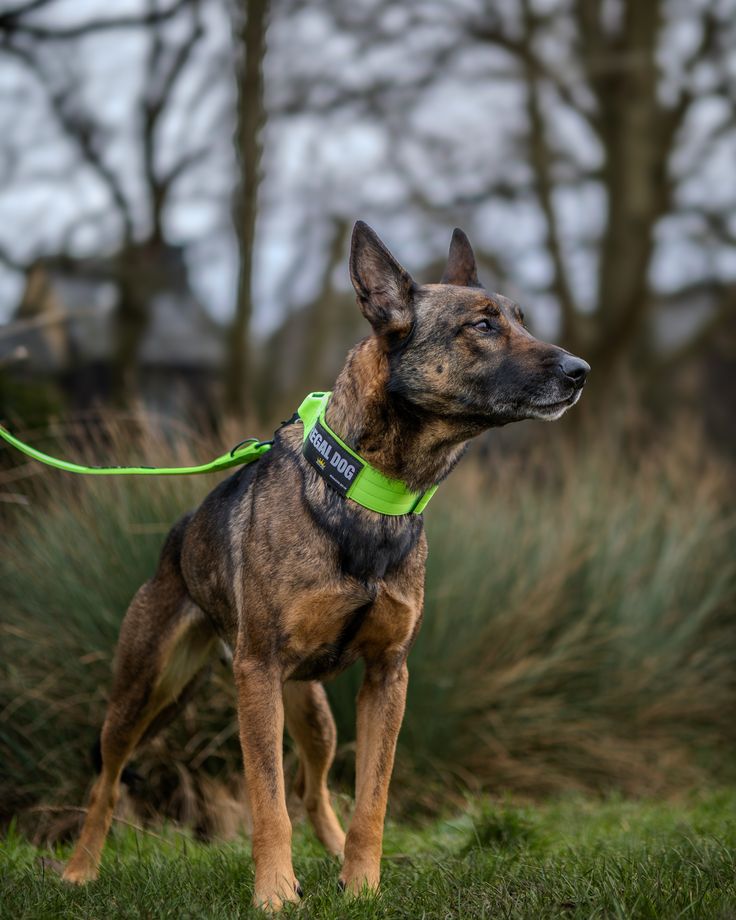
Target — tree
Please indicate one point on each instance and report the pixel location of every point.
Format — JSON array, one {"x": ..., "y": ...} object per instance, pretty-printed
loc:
[{"x": 135, "y": 165}]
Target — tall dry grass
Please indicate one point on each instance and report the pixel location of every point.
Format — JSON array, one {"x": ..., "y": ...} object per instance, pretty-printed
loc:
[{"x": 579, "y": 629}]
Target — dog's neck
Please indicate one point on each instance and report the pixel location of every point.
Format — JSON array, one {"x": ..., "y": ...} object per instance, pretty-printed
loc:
[{"x": 394, "y": 437}]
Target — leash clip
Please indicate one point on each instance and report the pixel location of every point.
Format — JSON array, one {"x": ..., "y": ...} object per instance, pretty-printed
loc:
[{"x": 254, "y": 441}]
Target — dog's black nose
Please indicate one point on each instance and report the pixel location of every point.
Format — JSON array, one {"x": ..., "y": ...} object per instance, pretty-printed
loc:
[{"x": 574, "y": 368}]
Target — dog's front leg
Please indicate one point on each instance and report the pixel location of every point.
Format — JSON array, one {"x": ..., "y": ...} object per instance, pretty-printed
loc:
[
  {"x": 261, "y": 718},
  {"x": 381, "y": 704}
]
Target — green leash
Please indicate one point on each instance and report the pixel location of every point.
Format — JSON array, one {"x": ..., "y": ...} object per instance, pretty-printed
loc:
[
  {"x": 340, "y": 466},
  {"x": 245, "y": 452}
]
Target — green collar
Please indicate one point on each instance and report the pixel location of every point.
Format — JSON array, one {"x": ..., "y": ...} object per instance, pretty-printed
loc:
[{"x": 347, "y": 472}]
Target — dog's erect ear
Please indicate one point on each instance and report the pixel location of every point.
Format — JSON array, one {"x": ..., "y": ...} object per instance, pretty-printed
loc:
[
  {"x": 385, "y": 290},
  {"x": 461, "y": 268}
]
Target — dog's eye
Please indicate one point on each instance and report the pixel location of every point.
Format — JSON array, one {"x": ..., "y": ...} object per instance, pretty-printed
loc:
[{"x": 483, "y": 325}]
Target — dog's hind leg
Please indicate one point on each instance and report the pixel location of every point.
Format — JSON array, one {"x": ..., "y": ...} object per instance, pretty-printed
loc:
[
  {"x": 311, "y": 725},
  {"x": 164, "y": 641}
]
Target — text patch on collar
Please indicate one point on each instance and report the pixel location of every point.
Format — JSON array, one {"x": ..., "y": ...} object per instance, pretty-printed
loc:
[{"x": 331, "y": 460}]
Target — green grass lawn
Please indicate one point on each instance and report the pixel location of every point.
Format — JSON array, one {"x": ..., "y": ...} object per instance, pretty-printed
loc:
[{"x": 573, "y": 858}]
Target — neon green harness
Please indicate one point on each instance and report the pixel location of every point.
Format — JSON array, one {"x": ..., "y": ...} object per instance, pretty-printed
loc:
[{"x": 370, "y": 488}]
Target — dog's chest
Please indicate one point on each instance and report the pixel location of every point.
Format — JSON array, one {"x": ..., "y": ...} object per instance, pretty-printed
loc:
[
  {"x": 324, "y": 635},
  {"x": 370, "y": 547}
]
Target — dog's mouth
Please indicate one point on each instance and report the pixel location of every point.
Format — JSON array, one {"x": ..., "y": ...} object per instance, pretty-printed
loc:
[{"x": 554, "y": 410}]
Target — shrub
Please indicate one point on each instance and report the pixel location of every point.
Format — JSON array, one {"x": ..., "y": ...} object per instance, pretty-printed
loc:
[{"x": 578, "y": 630}]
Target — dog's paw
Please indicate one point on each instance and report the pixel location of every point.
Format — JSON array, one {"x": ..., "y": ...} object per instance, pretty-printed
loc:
[
  {"x": 359, "y": 881},
  {"x": 79, "y": 874},
  {"x": 271, "y": 901}
]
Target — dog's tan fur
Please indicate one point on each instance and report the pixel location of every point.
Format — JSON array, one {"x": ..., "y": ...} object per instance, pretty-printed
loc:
[{"x": 301, "y": 582}]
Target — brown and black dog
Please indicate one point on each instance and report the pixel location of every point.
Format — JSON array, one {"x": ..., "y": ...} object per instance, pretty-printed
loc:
[{"x": 301, "y": 582}]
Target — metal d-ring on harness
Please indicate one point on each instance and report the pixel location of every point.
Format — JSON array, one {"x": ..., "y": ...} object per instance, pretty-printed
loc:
[{"x": 341, "y": 467}]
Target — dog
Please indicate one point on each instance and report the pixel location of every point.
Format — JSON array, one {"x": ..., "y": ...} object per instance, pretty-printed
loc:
[{"x": 301, "y": 581}]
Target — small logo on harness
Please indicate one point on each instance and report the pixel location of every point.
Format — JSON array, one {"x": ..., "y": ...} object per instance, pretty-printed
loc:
[{"x": 338, "y": 467}]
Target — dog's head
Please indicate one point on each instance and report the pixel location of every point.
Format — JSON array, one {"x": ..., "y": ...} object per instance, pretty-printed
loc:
[{"x": 454, "y": 349}]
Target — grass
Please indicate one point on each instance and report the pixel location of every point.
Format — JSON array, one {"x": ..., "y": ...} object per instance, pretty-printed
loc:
[
  {"x": 571, "y": 858},
  {"x": 578, "y": 631}
]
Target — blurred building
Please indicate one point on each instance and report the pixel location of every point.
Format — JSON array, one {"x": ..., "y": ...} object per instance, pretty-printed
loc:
[{"x": 66, "y": 331}]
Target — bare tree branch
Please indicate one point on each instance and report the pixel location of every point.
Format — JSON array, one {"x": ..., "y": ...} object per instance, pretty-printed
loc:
[
  {"x": 16, "y": 26},
  {"x": 523, "y": 51},
  {"x": 172, "y": 175},
  {"x": 9, "y": 16},
  {"x": 80, "y": 130},
  {"x": 11, "y": 262},
  {"x": 161, "y": 82}
]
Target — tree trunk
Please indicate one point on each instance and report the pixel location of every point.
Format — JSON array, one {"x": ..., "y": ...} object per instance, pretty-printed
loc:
[
  {"x": 135, "y": 293},
  {"x": 251, "y": 41},
  {"x": 635, "y": 175}
]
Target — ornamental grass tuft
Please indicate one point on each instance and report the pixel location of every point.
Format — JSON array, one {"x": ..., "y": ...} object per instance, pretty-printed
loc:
[{"x": 578, "y": 630}]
